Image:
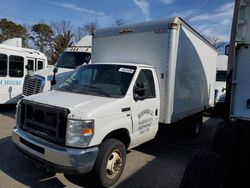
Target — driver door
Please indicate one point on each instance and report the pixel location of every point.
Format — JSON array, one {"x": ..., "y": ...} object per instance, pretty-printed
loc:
[{"x": 145, "y": 108}]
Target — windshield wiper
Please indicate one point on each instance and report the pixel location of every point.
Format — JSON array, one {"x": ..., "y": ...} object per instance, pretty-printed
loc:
[
  {"x": 97, "y": 89},
  {"x": 64, "y": 89}
]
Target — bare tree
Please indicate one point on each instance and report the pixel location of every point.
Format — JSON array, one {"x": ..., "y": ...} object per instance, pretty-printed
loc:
[
  {"x": 217, "y": 43},
  {"x": 61, "y": 28},
  {"x": 78, "y": 34},
  {"x": 62, "y": 38},
  {"x": 90, "y": 28}
]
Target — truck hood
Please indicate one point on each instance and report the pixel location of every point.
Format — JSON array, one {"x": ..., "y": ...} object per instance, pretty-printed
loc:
[
  {"x": 47, "y": 74},
  {"x": 82, "y": 106}
]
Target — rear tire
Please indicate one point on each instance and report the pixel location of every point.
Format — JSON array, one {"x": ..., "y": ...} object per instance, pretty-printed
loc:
[
  {"x": 195, "y": 124},
  {"x": 110, "y": 162},
  {"x": 204, "y": 170}
]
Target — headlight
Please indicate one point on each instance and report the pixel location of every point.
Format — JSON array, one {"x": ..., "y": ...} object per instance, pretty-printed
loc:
[{"x": 79, "y": 132}]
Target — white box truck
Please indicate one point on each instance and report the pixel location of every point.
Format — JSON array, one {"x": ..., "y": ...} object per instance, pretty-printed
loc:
[
  {"x": 142, "y": 75},
  {"x": 52, "y": 76},
  {"x": 13, "y": 59}
]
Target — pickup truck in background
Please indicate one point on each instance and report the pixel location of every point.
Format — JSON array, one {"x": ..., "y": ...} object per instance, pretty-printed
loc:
[{"x": 141, "y": 75}]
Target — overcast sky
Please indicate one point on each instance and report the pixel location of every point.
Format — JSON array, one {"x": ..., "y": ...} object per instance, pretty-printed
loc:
[{"x": 210, "y": 17}]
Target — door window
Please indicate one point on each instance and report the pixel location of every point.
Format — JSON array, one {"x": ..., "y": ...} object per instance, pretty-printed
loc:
[
  {"x": 39, "y": 65},
  {"x": 146, "y": 78},
  {"x": 31, "y": 63},
  {"x": 3, "y": 65},
  {"x": 16, "y": 66}
]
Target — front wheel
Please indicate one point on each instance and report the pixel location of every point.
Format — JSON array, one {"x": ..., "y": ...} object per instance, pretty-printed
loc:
[{"x": 110, "y": 162}]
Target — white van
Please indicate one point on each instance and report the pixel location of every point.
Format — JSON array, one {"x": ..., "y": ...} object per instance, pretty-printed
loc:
[
  {"x": 13, "y": 59},
  {"x": 71, "y": 58}
]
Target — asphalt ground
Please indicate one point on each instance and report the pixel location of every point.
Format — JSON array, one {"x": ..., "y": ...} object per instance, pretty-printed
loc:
[{"x": 158, "y": 163}]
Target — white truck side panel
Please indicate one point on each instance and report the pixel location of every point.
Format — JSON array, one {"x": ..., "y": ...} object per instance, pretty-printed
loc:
[
  {"x": 143, "y": 48},
  {"x": 195, "y": 75},
  {"x": 241, "y": 82},
  {"x": 240, "y": 101}
]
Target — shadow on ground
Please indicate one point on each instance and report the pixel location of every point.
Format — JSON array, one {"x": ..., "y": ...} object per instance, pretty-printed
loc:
[
  {"x": 22, "y": 170},
  {"x": 8, "y": 110}
]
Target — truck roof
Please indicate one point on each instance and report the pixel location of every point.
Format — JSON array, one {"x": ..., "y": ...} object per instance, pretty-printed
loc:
[
  {"x": 83, "y": 45},
  {"x": 124, "y": 63},
  {"x": 28, "y": 51},
  {"x": 156, "y": 26}
]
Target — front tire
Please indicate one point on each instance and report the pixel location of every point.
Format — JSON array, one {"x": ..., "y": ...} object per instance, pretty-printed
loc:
[{"x": 110, "y": 162}]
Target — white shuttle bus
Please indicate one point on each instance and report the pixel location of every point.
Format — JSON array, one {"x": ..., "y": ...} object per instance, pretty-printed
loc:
[{"x": 13, "y": 59}]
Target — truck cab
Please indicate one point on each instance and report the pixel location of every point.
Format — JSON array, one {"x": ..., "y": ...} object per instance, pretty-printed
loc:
[
  {"x": 98, "y": 103},
  {"x": 72, "y": 57}
]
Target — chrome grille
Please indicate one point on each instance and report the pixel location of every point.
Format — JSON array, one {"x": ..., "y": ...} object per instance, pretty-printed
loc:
[
  {"x": 45, "y": 121},
  {"x": 32, "y": 85}
]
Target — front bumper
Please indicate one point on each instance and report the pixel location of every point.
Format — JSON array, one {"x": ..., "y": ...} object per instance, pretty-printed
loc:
[{"x": 54, "y": 157}]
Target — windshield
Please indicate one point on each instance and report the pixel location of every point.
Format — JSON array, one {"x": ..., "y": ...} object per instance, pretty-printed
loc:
[
  {"x": 221, "y": 76},
  {"x": 100, "y": 80},
  {"x": 71, "y": 60}
]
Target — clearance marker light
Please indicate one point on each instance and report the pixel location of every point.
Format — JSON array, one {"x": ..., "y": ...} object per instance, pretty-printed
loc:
[{"x": 173, "y": 26}]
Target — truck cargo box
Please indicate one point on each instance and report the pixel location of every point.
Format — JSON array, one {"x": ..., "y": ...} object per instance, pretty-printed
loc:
[{"x": 184, "y": 60}]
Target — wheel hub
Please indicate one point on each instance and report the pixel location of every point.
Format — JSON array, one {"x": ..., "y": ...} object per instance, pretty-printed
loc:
[{"x": 114, "y": 164}]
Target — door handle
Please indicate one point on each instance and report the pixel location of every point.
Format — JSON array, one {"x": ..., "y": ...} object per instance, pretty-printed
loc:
[
  {"x": 125, "y": 109},
  {"x": 156, "y": 112}
]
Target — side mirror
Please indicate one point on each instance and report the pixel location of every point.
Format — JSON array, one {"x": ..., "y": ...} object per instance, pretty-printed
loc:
[
  {"x": 139, "y": 91},
  {"x": 53, "y": 81},
  {"x": 28, "y": 67},
  {"x": 55, "y": 70}
]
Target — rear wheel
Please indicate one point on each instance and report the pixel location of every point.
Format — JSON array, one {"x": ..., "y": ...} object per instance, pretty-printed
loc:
[
  {"x": 195, "y": 124},
  {"x": 110, "y": 162}
]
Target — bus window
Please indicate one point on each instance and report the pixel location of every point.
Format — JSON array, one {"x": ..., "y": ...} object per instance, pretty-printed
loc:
[
  {"x": 3, "y": 65},
  {"x": 31, "y": 63},
  {"x": 39, "y": 65},
  {"x": 16, "y": 64}
]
